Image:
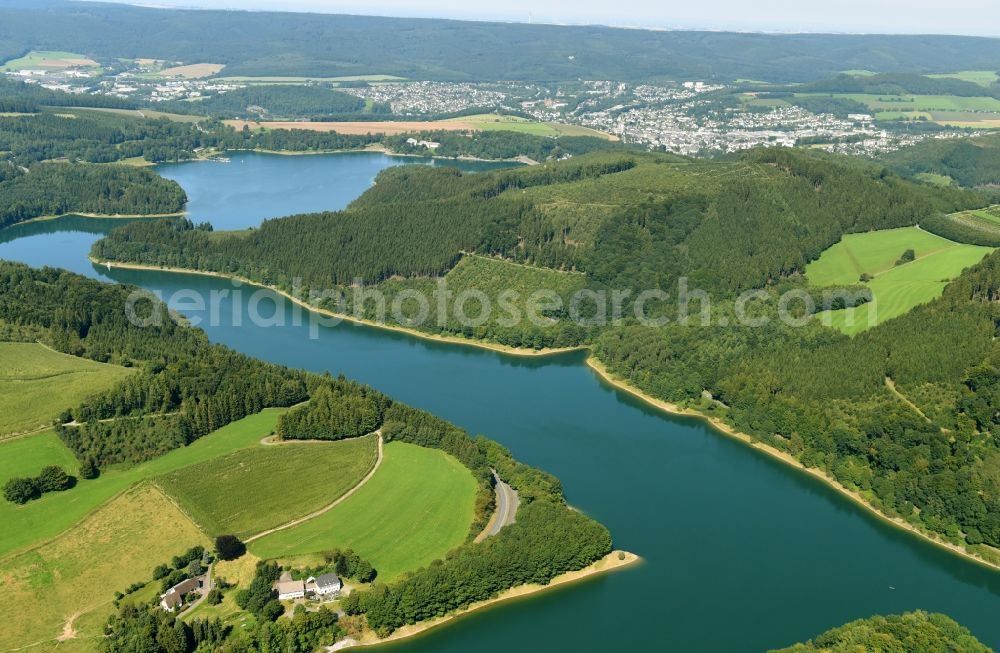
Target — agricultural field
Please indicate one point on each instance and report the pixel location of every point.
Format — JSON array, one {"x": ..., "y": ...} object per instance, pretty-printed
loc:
[
  {"x": 896, "y": 288},
  {"x": 135, "y": 113},
  {"x": 108, "y": 551},
  {"x": 55, "y": 512},
  {"x": 264, "y": 80},
  {"x": 49, "y": 60},
  {"x": 481, "y": 122},
  {"x": 251, "y": 490},
  {"x": 981, "y": 112},
  {"x": 496, "y": 122},
  {"x": 37, "y": 383},
  {"x": 28, "y": 455},
  {"x": 192, "y": 71},
  {"x": 918, "y": 102},
  {"x": 416, "y": 508},
  {"x": 982, "y": 77}
]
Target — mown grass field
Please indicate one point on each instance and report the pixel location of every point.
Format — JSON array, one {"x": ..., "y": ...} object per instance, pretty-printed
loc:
[
  {"x": 77, "y": 574},
  {"x": 416, "y": 508},
  {"x": 251, "y": 490},
  {"x": 896, "y": 289},
  {"x": 49, "y": 60},
  {"x": 28, "y": 455},
  {"x": 57, "y": 511},
  {"x": 887, "y": 102},
  {"x": 192, "y": 71},
  {"x": 496, "y": 122},
  {"x": 37, "y": 383},
  {"x": 981, "y": 77},
  {"x": 480, "y": 122}
]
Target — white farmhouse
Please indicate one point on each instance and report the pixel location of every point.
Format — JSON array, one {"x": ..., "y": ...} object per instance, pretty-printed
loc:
[
  {"x": 327, "y": 585},
  {"x": 290, "y": 589}
]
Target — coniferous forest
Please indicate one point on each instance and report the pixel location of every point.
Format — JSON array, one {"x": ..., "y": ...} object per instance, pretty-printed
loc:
[{"x": 751, "y": 221}]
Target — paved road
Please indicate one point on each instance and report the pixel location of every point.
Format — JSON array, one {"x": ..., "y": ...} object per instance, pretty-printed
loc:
[{"x": 507, "y": 503}]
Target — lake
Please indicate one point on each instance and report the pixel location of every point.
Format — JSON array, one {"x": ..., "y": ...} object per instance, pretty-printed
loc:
[{"x": 740, "y": 552}]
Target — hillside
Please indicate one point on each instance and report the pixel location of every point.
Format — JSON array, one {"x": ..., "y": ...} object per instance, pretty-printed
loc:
[
  {"x": 189, "y": 422},
  {"x": 258, "y": 43},
  {"x": 867, "y": 411},
  {"x": 913, "y": 631}
]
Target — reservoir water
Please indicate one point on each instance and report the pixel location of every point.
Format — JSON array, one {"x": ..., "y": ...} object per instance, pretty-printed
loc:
[{"x": 740, "y": 553}]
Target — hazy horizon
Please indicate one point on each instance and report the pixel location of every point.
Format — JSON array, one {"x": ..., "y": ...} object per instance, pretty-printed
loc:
[{"x": 964, "y": 17}]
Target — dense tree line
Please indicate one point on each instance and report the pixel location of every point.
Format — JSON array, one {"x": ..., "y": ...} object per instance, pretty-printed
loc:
[
  {"x": 899, "y": 84},
  {"x": 823, "y": 398},
  {"x": 953, "y": 228},
  {"x": 149, "y": 629},
  {"x": 259, "y": 43},
  {"x": 970, "y": 162},
  {"x": 336, "y": 409},
  {"x": 645, "y": 222},
  {"x": 546, "y": 540},
  {"x": 58, "y": 188},
  {"x": 33, "y": 96},
  {"x": 186, "y": 386},
  {"x": 23, "y": 489},
  {"x": 501, "y": 144},
  {"x": 277, "y": 102},
  {"x": 345, "y": 563},
  {"x": 912, "y": 631}
]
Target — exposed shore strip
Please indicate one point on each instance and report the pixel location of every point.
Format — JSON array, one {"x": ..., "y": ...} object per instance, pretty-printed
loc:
[
  {"x": 611, "y": 562},
  {"x": 455, "y": 340},
  {"x": 610, "y": 379},
  {"x": 720, "y": 426},
  {"x": 100, "y": 216}
]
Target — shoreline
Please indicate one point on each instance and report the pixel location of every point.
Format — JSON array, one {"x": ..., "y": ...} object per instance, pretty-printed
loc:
[
  {"x": 101, "y": 216},
  {"x": 373, "y": 147},
  {"x": 441, "y": 338},
  {"x": 607, "y": 564},
  {"x": 774, "y": 453}
]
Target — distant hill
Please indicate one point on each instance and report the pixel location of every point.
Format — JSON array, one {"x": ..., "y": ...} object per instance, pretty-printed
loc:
[{"x": 259, "y": 43}]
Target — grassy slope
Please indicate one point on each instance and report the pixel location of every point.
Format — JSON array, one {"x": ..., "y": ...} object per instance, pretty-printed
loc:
[
  {"x": 47, "y": 60},
  {"x": 58, "y": 511},
  {"x": 416, "y": 508},
  {"x": 251, "y": 490},
  {"x": 896, "y": 289},
  {"x": 78, "y": 573},
  {"x": 36, "y": 384},
  {"x": 27, "y": 456}
]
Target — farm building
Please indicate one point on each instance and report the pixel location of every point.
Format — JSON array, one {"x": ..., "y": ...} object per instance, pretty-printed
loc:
[
  {"x": 173, "y": 599},
  {"x": 325, "y": 585},
  {"x": 290, "y": 589}
]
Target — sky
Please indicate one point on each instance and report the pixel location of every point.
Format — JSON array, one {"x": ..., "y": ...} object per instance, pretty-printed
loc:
[{"x": 974, "y": 17}]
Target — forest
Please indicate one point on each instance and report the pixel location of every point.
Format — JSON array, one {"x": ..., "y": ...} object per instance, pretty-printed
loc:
[
  {"x": 187, "y": 387},
  {"x": 58, "y": 188},
  {"x": 751, "y": 221},
  {"x": 913, "y": 631},
  {"x": 279, "y": 102},
  {"x": 259, "y": 43},
  {"x": 626, "y": 220},
  {"x": 970, "y": 162}
]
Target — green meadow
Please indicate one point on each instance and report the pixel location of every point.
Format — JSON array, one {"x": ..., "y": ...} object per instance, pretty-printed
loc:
[
  {"x": 889, "y": 102},
  {"x": 982, "y": 77},
  {"x": 416, "y": 508},
  {"x": 48, "y": 60},
  {"x": 55, "y": 512},
  {"x": 896, "y": 288},
  {"x": 250, "y": 490},
  {"x": 75, "y": 576},
  {"x": 37, "y": 383}
]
